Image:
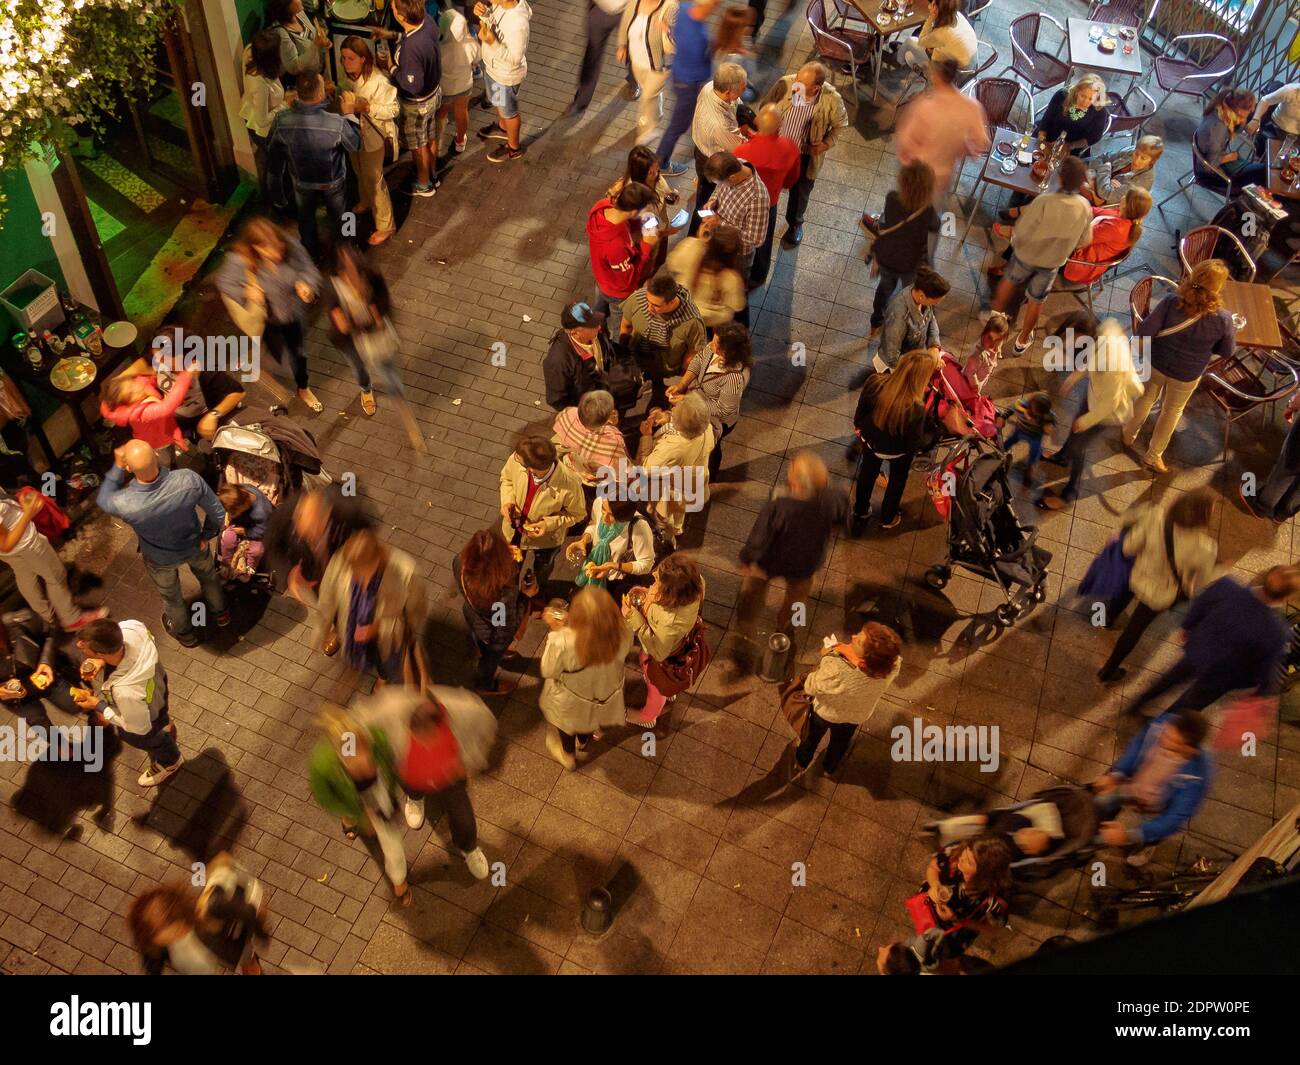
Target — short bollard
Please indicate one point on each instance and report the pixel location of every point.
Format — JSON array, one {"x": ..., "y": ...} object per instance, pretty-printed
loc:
[
  {"x": 776, "y": 658},
  {"x": 598, "y": 913}
]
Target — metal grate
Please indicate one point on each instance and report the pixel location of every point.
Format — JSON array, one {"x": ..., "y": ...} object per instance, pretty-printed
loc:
[
  {"x": 1234, "y": 19},
  {"x": 1266, "y": 58}
]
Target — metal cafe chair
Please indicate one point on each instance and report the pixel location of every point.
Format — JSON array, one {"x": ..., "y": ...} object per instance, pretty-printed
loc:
[
  {"x": 1141, "y": 297},
  {"x": 1191, "y": 77},
  {"x": 1041, "y": 69},
  {"x": 1199, "y": 244}
]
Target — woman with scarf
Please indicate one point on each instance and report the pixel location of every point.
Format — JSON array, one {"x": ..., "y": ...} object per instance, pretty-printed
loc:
[{"x": 618, "y": 544}]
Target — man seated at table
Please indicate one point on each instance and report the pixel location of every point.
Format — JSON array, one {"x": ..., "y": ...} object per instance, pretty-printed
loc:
[{"x": 1049, "y": 231}]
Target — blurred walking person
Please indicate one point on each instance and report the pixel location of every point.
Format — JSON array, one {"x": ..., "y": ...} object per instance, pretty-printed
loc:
[{"x": 603, "y": 19}]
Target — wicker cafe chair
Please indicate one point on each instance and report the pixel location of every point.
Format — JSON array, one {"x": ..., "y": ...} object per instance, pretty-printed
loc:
[
  {"x": 1199, "y": 244},
  {"x": 1121, "y": 13},
  {"x": 998, "y": 97},
  {"x": 1236, "y": 384},
  {"x": 1191, "y": 77},
  {"x": 1142, "y": 296},
  {"x": 839, "y": 49},
  {"x": 1041, "y": 69}
]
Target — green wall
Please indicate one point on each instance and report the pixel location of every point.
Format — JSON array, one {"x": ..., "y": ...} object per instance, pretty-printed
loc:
[
  {"x": 25, "y": 247},
  {"x": 249, "y": 13}
]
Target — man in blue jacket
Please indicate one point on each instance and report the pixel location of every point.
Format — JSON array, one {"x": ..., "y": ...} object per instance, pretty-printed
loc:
[
  {"x": 160, "y": 505},
  {"x": 314, "y": 143},
  {"x": 1164, "y": 775}
]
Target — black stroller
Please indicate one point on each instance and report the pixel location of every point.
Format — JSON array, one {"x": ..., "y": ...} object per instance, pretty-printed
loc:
[
  {"x": 1073, "y": 838},
  {"x": 971, "y": 491}
]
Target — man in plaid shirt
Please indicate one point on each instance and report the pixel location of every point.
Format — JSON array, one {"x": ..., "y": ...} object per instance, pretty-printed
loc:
[{"x": 741, "y": 200}]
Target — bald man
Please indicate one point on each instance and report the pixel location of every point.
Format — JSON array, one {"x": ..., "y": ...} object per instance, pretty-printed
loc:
[
  {"x": 161, "y": 506},
  {"x": 788, "y": 542},
  {"x": 778, "y": 163}
]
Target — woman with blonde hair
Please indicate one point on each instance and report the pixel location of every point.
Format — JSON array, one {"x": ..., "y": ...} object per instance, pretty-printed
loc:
[
  {"x": 891, "y": 421},
  {"x": 677, "y": 447},
  {"x": 372, "y": 604},
  {"x": 1078, "y": 112},
  {"x": 582, "y": 665},
  {"x": 1114, "y": 231},
  {"x": 710, "y": 268},
  {"x": 1187, "y": 329}
]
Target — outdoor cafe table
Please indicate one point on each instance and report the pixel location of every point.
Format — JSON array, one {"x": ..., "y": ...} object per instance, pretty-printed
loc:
[
  {"x": 1276, "y": 185},
  {"x": 1255, "y": 301},
  {"x": 1019, "y": 180},
  {"x": 1086, "y": 55},
  {"x": 887, "y": 25}
]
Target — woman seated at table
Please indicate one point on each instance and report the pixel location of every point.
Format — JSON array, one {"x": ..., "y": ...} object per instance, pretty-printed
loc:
[
  {"x": 1277, "y": 115},
  {"x": 1114, "y": 231},
  {"x": 1079, "y": 112},
  {"x": 946, "y": 34},
  {"x": 1117, "y": 172},
  {"x": 1225, "y": 114}
]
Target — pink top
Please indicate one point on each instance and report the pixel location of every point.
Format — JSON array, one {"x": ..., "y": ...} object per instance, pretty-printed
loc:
[
  {"x": 941, "y": 127},
  {"x": 153, "y": 419}
]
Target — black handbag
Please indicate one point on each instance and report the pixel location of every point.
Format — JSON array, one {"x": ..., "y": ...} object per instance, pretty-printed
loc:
[{"x": 623, "y": 377}]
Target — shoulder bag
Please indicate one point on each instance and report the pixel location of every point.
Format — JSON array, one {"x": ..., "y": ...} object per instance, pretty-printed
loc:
[
  {"x": 683, "y": 667},
  {"x": 877, "y": 233}
]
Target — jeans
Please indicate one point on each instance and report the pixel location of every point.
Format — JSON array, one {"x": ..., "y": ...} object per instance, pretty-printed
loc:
[
  {"x": 1138, "y": 623},
  {"x": 489, "y": 658},
  {"x": 335, "y": 200},
  {"x": 1207, "y": 687},
  {"x": 167, "y": 580},
  {"x": 888, "y": 284},
  {"x": 158, "y": 742},
  {"x": 390, "y": 377},
  {"x": 284, "y": 343},
  {"x": 611, "y": 307},
  {"x": 762, "y": 265},
  {"x": 600, "y": 26},
  {"x": 715, "y": 456},
  {"x": 460, "y": 814},
  {"x": 1278, "y": 496},
  {"x": 796, "y": 200},
  {"x": 1035, "y": 443},
  {"x": 868, "y": 470},
  {"x": 685, "y": 94},
  {"x": 841, "y": 737}
]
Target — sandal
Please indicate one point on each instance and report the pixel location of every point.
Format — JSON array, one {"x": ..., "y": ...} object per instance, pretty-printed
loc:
[
  {"x": 404, "y": 898},
  {"x": 309, "y": 398},
  {"x": 349, "y": 831}
]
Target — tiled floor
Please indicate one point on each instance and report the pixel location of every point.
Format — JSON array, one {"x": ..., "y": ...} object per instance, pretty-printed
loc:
[{"x": 714, "y": 867}]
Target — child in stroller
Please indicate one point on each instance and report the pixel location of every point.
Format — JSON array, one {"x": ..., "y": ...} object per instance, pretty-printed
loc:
[
  {"x": 247, "y": 512},
  {"x": 1043, "y": 831}
]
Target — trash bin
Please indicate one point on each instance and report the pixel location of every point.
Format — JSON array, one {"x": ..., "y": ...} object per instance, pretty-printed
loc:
[
  {"x": 598, "y": 912},
  {"x": 776, "y": 658}
]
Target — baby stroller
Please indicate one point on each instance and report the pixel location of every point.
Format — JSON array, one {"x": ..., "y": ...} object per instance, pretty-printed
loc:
[
  {"x": 269, "y": 452},
  {"x": 970, "y": 490},
  {"x": 1067, "y": 814}
]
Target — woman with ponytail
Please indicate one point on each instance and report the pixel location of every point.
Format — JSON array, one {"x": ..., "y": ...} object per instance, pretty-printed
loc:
[{"x": 1114, "y": 231}]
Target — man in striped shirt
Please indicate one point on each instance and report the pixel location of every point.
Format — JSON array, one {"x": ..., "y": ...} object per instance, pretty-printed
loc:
[
  {"x": 812, "y": 112},
  {"x": 739, "y": 199},
  {"x": 715, "y": 127}
]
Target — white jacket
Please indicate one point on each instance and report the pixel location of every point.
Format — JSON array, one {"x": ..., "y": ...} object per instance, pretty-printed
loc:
[
  {"x": 1152, "y": 579},
  {"x": 378, "y": 124},
  {"x": 577, "y": 699},
  {"x": 136, "y": 690},
  {"x": 460, "y": 51},
  {"x": 635, "y": 544},
  {"x": 844, "y": 695},
  {"x": 504, "y": 59}
]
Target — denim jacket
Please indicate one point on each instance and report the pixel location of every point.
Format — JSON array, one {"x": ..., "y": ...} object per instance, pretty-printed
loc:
[
  {"x": 315, "y": 143},
  {"x": 907, "y": 327}
]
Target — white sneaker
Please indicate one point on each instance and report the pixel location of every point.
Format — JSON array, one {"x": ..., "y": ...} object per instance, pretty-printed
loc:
[
  {"x": 477, "y": 863},
  {"x": 157, "y": 774},
  {"x": 415, "y": 812}
]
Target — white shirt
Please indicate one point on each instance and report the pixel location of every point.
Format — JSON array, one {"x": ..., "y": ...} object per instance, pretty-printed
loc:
[
  {"x": 638, "y": 41},
  {"x": 611, "y": 7},
  {"x": 1287, "y": 100},
  {"x": 10, "y": 514},
  {"x": 263, "y": 100}
]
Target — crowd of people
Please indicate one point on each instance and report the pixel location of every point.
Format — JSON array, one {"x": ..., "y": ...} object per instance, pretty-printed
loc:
[{"x": 646, "y": 375}]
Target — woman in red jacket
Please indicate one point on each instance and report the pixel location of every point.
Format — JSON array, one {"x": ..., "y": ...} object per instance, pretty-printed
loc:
[
  {"x": 1114, "y": 230},
  {"x": 135, "y": 400},
  {"x": 620, "y": 262}
]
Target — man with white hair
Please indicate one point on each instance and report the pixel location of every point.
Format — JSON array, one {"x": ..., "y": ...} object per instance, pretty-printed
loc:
[
  {"x": 715, "y": 127},
  {"x": 812, "y": 113},
  {"x": 161, "y": 506},
  {"x": 789, "y": 540},
  {"x": 588, "y": 438}
]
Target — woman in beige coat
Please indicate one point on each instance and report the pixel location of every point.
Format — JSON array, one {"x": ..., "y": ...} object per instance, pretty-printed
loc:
[
  {"x": 372, "y": 604},
  {"x": 1157, "y": 580},
  {"x": 376, "y": 109},
  {"x": 677, "y": 448},
  {"x": 662, "y": 618},
  {"x": 582, "y": 664}
]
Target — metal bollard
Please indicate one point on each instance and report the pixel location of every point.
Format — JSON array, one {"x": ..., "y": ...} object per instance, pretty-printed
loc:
[
  {"x": 776, "y": 659},
  {"x": 598, "y": 913}
]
